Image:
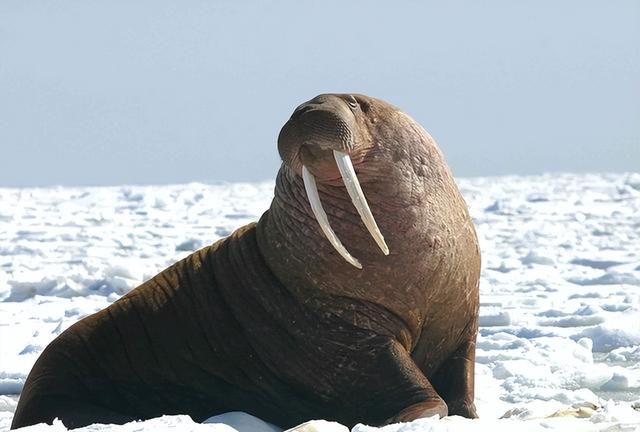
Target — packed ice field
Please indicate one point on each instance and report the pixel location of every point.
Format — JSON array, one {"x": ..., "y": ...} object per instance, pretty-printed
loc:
[{"x": 559, "y": 341}]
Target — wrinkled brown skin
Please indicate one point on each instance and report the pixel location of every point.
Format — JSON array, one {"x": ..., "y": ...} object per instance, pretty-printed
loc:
[{"x": 273, "y": 322}]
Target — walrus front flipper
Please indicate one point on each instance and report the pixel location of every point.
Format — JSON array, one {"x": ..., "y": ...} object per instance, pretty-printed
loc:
[
  {"x": 399, "y": 390},
  {"x": 73, "y": 414},
  {"x": 455, "y": 380}
]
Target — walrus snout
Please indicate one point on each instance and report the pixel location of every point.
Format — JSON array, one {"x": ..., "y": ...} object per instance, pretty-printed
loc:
[
  {"x": 324, "y": 132},
  {"x": 318, "y": 139},
  {"x": 316, "y": 128}
]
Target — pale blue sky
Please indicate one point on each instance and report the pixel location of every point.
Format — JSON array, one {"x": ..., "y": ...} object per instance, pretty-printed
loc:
[{"x": 157, "y": 91}]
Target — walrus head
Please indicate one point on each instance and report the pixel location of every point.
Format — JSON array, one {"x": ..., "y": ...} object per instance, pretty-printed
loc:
[{"x": 327, "y": 126}]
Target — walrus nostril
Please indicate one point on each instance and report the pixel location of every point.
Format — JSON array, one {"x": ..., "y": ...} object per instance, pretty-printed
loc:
[{"x": 306, "y": 107}]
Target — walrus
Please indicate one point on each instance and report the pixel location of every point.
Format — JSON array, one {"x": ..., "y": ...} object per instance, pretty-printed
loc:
[{"x": 376, "y": 325}]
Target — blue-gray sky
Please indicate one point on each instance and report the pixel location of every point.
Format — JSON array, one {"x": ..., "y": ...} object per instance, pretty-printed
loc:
[{"x": 158, "y": 91}]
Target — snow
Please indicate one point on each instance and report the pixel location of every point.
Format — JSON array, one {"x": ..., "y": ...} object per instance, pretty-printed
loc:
[{"x": 559, "y": 340}]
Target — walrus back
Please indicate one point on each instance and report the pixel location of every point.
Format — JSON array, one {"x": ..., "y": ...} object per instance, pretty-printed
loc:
[{"x": 128, "y": 361}]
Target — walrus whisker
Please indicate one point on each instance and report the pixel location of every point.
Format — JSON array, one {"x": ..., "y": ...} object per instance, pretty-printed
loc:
[
  {"x": 316, "y": 206},
  {"x": 357, "y": 198}
]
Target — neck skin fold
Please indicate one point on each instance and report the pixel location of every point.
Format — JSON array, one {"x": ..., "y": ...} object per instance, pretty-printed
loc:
[{"x": 302, "y": 258}]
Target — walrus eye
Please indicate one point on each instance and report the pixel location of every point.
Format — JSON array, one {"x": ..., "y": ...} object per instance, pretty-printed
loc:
[
  {"x": 353, "y": 103},
  {"x": 357, "y": 198}
]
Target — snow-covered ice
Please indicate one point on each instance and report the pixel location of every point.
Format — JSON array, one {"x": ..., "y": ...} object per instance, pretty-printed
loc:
[{"x": 559, "y": 342}]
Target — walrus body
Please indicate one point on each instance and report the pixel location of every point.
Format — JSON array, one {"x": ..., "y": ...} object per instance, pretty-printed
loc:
[{"x": 272, "y": 321}]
